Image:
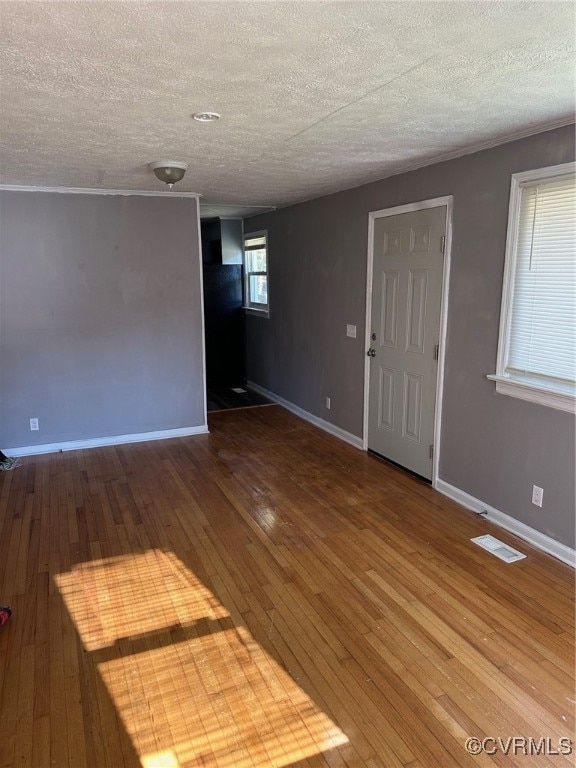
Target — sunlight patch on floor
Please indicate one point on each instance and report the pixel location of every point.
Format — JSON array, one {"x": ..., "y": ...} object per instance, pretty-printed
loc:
[
  {"x": 129, "y": 596},
  {"x": 166, "y": 759},
  {"x": 217, "y": 700},
  {"x": 191, "y": 688}
]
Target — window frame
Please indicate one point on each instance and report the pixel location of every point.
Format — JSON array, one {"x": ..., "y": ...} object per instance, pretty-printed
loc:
[
  {"x": 533, "y": 389},
  {"x": 253, "y": 308}
]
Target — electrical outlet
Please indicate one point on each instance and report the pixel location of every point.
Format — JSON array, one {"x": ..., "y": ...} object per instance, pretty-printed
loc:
[
  {"x": 537, "y": 495},
  {"x": 351, "y": 331},
  {"x": 328, "y": 403},
  {"x": 34, "y": 426}
]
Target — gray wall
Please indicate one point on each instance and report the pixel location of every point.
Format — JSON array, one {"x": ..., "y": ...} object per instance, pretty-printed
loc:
[
  {"x": 232, "y": 245},
  {"x": 492, "y": 446},
  {"x": 100, "y": 324}
]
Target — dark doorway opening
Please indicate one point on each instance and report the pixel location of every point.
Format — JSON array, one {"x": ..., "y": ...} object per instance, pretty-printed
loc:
[
  {"x": 224, "y": 331},
  {"x": 223, "y": 302}
]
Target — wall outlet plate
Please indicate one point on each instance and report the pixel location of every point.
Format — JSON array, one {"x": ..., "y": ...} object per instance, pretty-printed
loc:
[
  {"x": 351, "y": 331},
  {"x": 537, "y": 495},
  {"x": 34, "y": 425},
  {"x": 328, "y": 403}
]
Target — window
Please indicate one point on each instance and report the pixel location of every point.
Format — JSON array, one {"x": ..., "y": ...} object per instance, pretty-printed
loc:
[
  {"x": 256, "y": 273},
  {"x": 537, "y": 344}
]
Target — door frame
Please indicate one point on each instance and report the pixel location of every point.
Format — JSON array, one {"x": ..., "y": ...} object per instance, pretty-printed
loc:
[{"x": 435, "y": 202}]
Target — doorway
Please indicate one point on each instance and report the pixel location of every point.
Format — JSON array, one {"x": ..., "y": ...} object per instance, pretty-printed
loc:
[
  {"x": 224, "y": 332},
  {"x": 408, "y": 261},
  {"x": 223, "y": 311}
]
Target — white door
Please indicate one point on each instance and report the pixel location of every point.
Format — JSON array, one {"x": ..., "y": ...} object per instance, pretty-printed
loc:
[{"x": 405, "y": 334}]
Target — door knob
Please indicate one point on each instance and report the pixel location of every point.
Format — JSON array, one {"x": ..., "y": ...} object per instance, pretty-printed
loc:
[{"x": 371, "y": 352}]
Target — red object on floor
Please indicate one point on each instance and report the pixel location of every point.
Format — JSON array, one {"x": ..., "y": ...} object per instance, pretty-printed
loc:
[{"x": 5, "y": 613}]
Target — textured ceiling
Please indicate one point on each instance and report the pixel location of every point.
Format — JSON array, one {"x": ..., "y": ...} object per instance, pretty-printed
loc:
[{"x": 314, "y": 96}]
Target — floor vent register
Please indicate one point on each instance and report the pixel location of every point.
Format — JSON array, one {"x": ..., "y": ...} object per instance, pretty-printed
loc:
[{"x": 498, "y": 548}]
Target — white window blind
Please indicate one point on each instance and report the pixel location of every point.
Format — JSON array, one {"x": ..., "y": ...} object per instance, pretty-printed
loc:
[{"x": 542, "y": 332}]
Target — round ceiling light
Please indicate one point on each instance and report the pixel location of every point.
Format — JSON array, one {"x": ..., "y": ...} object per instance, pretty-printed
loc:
[
  {"x": 169, "y": 171},
  {"x": 206, "y": 117}
]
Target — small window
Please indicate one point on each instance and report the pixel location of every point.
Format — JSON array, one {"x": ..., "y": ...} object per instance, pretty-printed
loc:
[
  {"x": 537, "y": 343},
  {"x": 256, "y": 273}
]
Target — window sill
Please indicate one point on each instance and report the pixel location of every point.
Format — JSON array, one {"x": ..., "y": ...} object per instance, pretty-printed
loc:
[
  {"x": 563, "y": 401},
  {"x": 256, "y": 312}
]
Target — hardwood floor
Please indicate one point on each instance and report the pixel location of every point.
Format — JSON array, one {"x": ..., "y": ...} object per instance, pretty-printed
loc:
[{"x": 268, "y": 596}]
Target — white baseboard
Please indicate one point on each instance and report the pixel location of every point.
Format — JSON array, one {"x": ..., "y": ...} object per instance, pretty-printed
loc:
[
  {"x": 348, "y": 437},
  {"x": 523, "y": 531},
  {"x": 100, "y": 442}
]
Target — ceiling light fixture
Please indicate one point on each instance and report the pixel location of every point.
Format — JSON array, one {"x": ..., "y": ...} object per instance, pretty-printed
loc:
[
  {"x": 169, "y": 171},
  {"x": 206, "y": 117}
]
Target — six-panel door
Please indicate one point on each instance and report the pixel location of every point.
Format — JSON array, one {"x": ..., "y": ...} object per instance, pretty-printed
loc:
[{"x": 405, "y": 331}]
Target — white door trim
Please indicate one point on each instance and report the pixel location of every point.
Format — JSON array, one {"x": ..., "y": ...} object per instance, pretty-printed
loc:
[
  {"x": 435, "y": 202},
  {"x": 203, "y": 320}
]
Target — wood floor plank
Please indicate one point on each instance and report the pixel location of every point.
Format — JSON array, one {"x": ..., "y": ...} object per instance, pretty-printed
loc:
[{"x": 267, "y": 596}]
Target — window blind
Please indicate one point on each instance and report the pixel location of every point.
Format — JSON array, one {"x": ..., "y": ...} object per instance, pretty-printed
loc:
[
  {"x": 254, "y": 243},
  {"x": 542, "y": 339}
]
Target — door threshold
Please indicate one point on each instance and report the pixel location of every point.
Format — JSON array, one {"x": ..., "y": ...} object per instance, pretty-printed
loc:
[{"x": 399, "y": 466}]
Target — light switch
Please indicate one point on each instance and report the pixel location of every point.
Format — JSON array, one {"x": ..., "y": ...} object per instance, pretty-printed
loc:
[{"x": 351, "y": 331}]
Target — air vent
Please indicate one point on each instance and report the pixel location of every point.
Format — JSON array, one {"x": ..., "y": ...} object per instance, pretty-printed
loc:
[{"x": 498, "y": 548}]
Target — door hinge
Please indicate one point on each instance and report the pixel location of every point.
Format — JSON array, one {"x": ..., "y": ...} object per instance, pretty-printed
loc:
[
  {"x": 431, "y": 451},
  {"x": 443, "y": 243},
  {"x": 436, "y": 351}
]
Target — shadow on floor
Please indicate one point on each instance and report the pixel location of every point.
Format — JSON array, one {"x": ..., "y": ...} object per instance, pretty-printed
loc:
[{"x": 221, "y": 398}]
